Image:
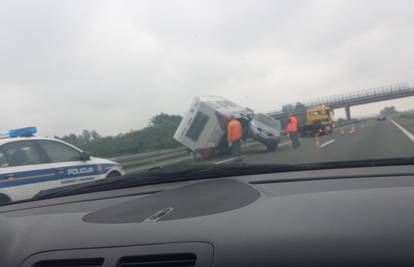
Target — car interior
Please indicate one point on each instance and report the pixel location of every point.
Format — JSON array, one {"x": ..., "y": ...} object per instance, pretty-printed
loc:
[{"x": 333, "y": 217}]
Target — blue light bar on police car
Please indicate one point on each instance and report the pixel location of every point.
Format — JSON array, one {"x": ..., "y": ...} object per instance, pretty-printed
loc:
[{"x": 23, "y": 132}]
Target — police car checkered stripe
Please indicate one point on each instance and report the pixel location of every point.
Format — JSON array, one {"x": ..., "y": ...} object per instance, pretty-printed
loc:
[{"x": 44, "y": 175}]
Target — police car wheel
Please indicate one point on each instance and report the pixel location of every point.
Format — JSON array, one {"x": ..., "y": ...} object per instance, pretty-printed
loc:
[
  {"x": 4, "y": 199},
  {"x": 113, "y": 174}
]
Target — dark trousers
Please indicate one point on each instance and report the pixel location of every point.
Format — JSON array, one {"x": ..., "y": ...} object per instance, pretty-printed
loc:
[
  {"x": 294, "y": 137},
  {"x": 235, "y": 148}
]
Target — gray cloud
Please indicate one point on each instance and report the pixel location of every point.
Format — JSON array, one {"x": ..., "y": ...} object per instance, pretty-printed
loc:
[{"x": 111, "y": 65}]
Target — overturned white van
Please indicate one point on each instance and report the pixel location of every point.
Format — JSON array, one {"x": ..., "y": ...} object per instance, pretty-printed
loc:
[{"x": 203, "y": 128}]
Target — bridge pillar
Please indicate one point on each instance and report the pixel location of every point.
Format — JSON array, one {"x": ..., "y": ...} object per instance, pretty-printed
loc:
[{"x": 348, "y": 112}]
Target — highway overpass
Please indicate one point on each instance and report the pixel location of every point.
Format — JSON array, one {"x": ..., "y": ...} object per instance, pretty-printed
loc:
[{"x": 358, "y": 98}]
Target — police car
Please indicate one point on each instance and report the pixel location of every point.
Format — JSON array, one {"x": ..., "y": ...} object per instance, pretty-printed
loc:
[{"x": 30, "y": 164}]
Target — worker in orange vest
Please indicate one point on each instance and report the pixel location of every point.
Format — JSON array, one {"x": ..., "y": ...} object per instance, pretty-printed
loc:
[
  {"x": 293, "y": 130},
  {"x": 234, "y": 135}
]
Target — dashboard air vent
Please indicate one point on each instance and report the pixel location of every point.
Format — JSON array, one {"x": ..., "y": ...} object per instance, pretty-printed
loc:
[
  {"x": 95, "y": 262},
  {"x": 173, "y": 260}
]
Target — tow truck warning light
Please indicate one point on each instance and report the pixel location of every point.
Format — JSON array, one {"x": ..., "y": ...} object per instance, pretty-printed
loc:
[{"x": 23, "y": 132}]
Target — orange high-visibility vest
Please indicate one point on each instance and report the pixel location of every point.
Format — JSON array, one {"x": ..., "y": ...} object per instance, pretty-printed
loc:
[
  {"x": 293, "y": 119},
  {"x": 292, "y": 127},
  {"x": 234, "y": 131}
]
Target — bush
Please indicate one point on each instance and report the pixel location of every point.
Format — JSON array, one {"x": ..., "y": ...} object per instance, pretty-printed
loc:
[{"x": 158, "y": 135}]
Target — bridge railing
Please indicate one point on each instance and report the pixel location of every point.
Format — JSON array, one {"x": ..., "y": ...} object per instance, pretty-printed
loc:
[{"x": 361, "y": 95}]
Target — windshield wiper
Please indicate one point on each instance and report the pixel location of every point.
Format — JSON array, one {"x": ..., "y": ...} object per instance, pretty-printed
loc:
[{"x": 188, "y": 173}]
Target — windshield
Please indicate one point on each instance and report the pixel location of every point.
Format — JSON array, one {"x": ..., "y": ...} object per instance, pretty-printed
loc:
[
  {"x": 320, "y": 112},
  {"x": 96, "y": 90}
]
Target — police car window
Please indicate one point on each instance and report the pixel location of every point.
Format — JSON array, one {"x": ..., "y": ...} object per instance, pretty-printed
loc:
[
  {"x": 58, "y": 152},
  {"x": 22, "y": 153},
  {"x": 3, "y": 160}
]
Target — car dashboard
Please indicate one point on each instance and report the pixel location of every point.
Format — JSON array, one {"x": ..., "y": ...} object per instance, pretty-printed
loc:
[{"x": 336, "y": 217}]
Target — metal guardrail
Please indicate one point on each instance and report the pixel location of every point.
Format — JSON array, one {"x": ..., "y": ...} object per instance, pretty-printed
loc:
[
  {"x": 147, "y": 160},
  {"x": 143, "y": 161}
]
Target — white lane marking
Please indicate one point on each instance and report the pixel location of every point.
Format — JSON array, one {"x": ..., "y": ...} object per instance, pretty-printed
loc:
[
  {"x": 224, "y": 161},
  {"x": 327, "y": 143},
  {"x": 405, "y": 131},
  {"x": 232, "y": 159},
  {"x": 284, "y": 144}
]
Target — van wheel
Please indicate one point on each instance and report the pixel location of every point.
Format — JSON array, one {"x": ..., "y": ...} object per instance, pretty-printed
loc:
[
  {"x": 271, "y": 147},
  {"x": 113, "y": 174},
  {"x": 207, "y": 153},
  {"x": 4, "y": 199}
]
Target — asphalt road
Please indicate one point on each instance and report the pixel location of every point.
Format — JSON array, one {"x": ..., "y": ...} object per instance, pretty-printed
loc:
[{"x": 368, "y": 140}]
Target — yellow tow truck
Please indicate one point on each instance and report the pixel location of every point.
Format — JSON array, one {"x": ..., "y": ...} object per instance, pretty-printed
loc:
[{"x": 316, "y": 120}]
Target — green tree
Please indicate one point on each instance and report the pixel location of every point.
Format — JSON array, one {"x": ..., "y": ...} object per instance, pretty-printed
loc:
[
  {"x": 288, "y": 108},
  {"x": 95, "y": 135},
  {"x": 388, "y": 111},
  {"x": 165, "y": 120},
  {"x": 86, "y": 136},
  {"x": 158, "y": 135},
  {"x": 300, "y": 108}
]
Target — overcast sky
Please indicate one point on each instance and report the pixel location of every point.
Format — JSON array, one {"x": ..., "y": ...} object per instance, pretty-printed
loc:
[{"x": 112, "y": 65}]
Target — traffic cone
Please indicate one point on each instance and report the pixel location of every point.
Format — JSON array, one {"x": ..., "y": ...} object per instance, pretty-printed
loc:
[{"x": 317, "y": 142}]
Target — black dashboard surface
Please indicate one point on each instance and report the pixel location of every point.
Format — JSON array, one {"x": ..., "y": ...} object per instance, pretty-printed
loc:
[{"x": 310, "y": 218}]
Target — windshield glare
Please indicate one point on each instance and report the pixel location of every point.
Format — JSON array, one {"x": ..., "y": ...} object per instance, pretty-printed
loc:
[{"x": 99, "y": 89}]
